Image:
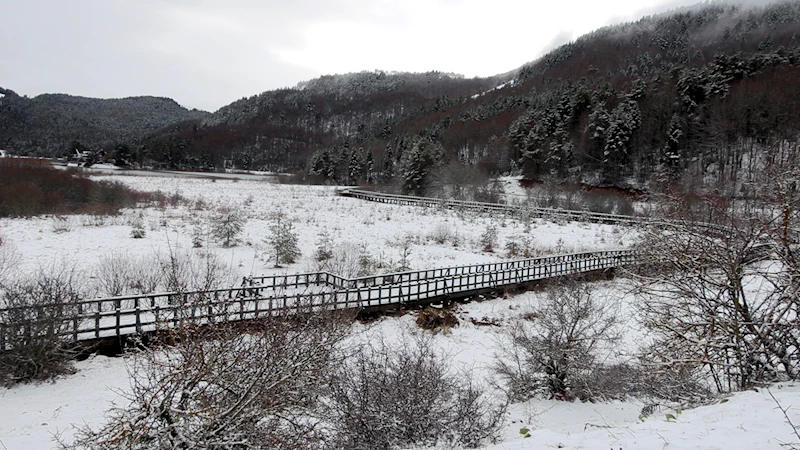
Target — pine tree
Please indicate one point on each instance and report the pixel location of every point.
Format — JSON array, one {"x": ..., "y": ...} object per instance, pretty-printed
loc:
[
  {"x": 227, "y": 226},
  {"x": 387, "y": 168},
  {"x": 417, "y": 165},
  {"x": 283, "y": 243},
  {"x": 369, "y": 168}
]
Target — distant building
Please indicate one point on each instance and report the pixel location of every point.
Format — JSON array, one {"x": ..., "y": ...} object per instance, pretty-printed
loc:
[{"x": 79, "y": 158}]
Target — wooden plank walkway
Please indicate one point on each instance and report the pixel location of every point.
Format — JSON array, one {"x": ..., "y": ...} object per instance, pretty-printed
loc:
[
  {"x": 531, "y": 211},
  {"x": 101, "y": 318},
  {"x": 513, "y": 210}
]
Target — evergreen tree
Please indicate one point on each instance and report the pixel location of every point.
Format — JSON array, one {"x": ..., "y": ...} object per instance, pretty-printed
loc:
[
  {"x": 283, "y": 243},
  {"x": 417, "y": 165}
]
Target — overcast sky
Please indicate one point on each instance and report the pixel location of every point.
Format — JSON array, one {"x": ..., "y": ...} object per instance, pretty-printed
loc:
[{"x": 208, "y": 53}]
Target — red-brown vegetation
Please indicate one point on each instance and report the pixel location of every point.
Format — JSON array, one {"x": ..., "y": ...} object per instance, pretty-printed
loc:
[{"x": 29, "y": 187}]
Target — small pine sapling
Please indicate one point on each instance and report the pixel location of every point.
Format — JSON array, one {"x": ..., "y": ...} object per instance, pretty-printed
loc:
[
  {"x": 137, "y": 230},
  {"x": 283, "y": 243},
  {"x": 197, "y": 235},
  {"x": 488, "y": 239},
  {"x": 227, "y": 226},
  {"x": 324, "y": 249}
]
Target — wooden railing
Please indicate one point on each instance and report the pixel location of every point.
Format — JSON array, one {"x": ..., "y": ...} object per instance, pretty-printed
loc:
[
  {"x": 531, "y": 211},
  {"x": 572, "y": 215},
  {"x": 264, "y": 296}
]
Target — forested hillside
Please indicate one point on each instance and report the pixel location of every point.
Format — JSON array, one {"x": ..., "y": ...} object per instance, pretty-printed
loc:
[
  {"x": 48, "y": 124},
  {"x": 702, "y": 94},
  {"x": 706, "y": 90}
]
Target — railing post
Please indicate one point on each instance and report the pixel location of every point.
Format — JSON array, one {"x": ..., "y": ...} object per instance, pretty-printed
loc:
[
  {"x": 76, "y": 322},
  {"x": 138, "y": 316},
  {"x": 97, "y": 319},
  {"x": 118, "y": 314}
]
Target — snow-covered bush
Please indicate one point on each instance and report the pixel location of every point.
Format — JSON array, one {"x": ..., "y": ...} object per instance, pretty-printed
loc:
[
  {"x": 553, "y": 348},
  {"x": 407, "y": 395},
  {"x": 522, "y": 246},
  {"x": 32, "y": 323},
  {"x": 488, "y": 239},
  {"x": 441, "y": 233},
  {"x": 324, "y": 250},
  {"x": 350, "y": 259},
  {"x": 137, "y": 230},
  {"x": 719, "y": 293},
  {"x": 227, "y": 387},
  {"x": 9, "y": 258},
  {"x": 198, "y": 235}
]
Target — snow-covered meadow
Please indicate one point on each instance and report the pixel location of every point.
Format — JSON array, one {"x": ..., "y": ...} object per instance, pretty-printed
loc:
[
  {"x": 31, "y": 414},
  {"x": 376, "y": 230}
]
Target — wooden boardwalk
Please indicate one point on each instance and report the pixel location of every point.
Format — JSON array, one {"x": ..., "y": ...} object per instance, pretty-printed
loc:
[
  {"x": 512, "y": 210},
  {"x": 532, "y": 211},
  {"x": 103, "y": 318}
]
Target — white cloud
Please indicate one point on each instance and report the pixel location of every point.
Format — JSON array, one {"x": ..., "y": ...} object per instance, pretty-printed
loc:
[{"x": 207, "y": 53}]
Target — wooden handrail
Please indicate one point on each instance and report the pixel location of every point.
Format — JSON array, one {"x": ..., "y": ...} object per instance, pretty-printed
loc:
[{"x": 123, "y": 315}]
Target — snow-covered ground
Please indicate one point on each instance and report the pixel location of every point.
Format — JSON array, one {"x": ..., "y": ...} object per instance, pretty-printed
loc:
[{"x": 31, "y": 414}]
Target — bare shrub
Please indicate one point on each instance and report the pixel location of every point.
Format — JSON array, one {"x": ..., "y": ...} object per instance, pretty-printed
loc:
[
  {"x": 184, "y": 271},
  {"x": 33, "y": 327},
  {"x": 228, "y": 388},
  {"x": 62, "y": 224},
  {"x": 436, "y": 319},
  {"x": 599, "y": 201},
  {"x": 113, "y": 274},
  {"x": 145, "y": 274},
  {"x": 30, "y": 187},
  {"x": 665, "y": 376},
  {"x": 554, "y": 348},
  {"x": 441, "y": 233},
  {"x": 624, "y": 206},
  {"x": 491, "y": 192},
  {"x": 9, "y": 258},
  {"x": 390, "y": 396}
]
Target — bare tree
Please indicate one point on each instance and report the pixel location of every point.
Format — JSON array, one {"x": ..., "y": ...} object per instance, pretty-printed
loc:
[
  {"x": 554, "y": 347},
  {"x": 228, "y": 387},
  {"x": 717, "y": 300},
  {"x": 390, "y": 396}
]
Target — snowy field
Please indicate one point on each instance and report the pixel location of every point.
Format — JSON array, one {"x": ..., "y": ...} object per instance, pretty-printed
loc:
[
  {"x": 380, "y": 231},
  {"x": 30, "y": 415}
]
